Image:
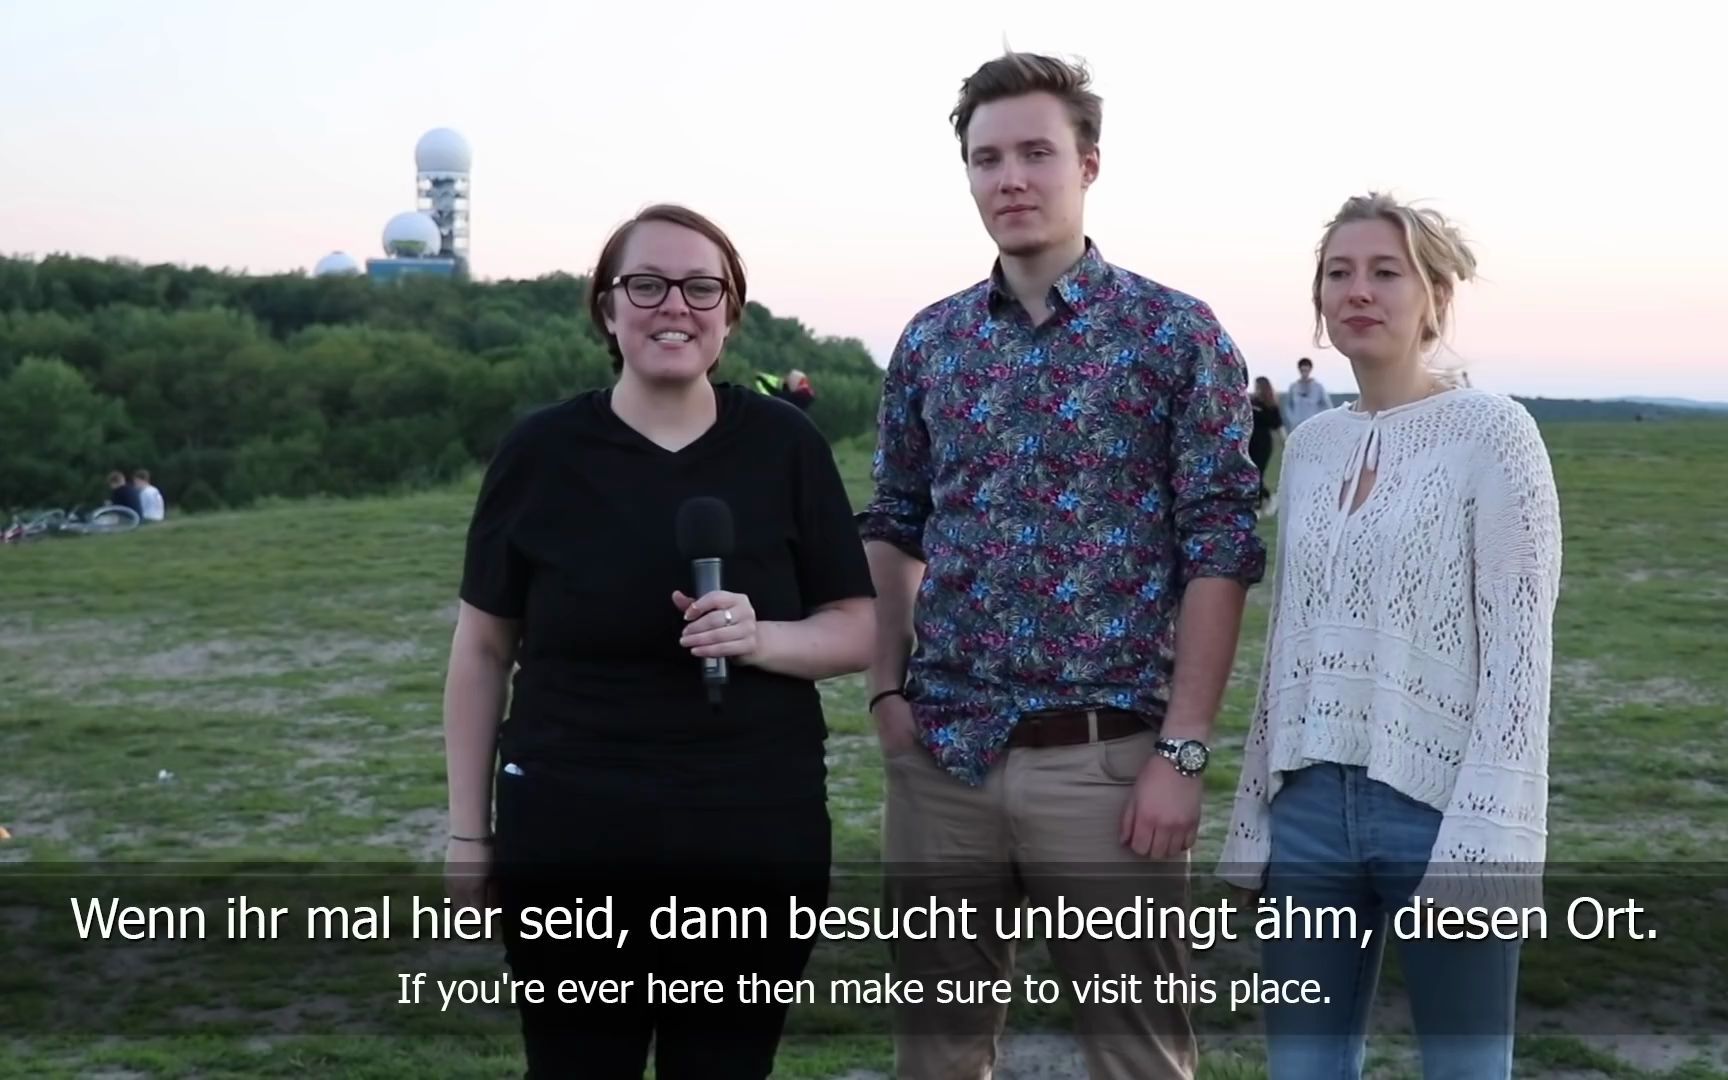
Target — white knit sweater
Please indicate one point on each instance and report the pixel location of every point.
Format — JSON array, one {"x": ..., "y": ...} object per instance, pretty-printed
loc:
[{"x": 1413, "y": 636}]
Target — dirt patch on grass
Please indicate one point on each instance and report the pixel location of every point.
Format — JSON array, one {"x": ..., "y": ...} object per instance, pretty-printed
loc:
[
  {"x": 320, "y": 1014},
  {"x": 1019, "y": 1057},
  {"x": 419, "y": 833},
  {"x": 26, "y": 828},
  {"x": 319, "y": 746},
  {"x": 1643, "y": 575},
  {"x": 1664, "y": 1053},
  {"x": 231, "y": 659},
  {"x": 19, "y": 921},
  {"x": 1040, "y": 1057},
  {"x": 24, "y": 633},
  {"x": 272, "y": 701},
  {"x": 81, "y": 658},
  {"x": 1645, "y": 834},
  {"x": 320, "y": 721},
  {"x": 198, "y": 659},
  {"x": 1583, "y": 682},
  {"x": 1655, "y": 1055},
  {"x": 32, "y": 817}
]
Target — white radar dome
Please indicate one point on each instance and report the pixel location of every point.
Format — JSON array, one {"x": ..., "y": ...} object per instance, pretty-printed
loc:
[
  {"x": 337, "y": 262},
  {"x": 412, "y": 234},
  {"x": 442, "y": 151}
]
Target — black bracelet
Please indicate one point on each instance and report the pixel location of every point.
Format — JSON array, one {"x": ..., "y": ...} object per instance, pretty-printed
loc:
[
  {"x": 472, "y": 839},
  {"x": 884, "y": 695}
]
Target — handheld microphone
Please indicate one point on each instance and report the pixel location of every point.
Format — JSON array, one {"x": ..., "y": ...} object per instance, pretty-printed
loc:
[{"x": 704, "y": 528}]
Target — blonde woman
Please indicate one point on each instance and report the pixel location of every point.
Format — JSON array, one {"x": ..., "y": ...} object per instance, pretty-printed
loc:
[{"x": 1399, "y": 747}]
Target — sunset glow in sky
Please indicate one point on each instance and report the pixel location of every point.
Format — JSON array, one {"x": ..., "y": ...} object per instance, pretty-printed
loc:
[{"x": 1573, "y": 146}]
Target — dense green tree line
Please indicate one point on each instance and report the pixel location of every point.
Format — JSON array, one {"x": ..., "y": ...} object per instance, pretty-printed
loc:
[{"x": 231, "y": 388}]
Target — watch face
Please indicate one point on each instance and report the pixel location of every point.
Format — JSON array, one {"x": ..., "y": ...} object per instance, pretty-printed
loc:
[{"x": 1191, "y": 757}]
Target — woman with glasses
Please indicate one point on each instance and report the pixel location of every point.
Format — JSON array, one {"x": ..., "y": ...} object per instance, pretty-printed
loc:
[{"x": 619, "y": 781}]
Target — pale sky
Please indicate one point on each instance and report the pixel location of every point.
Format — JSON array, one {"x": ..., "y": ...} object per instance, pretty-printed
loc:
[{"x": 1572, "y": 145}]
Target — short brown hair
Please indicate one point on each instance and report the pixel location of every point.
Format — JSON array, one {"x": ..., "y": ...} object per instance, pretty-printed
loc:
[
  {"x": 606, "y": 267},
  {"x": 1015, "y": 74}
]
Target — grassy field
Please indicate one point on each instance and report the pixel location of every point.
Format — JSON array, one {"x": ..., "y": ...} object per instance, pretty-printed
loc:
[{"x": 264, "y": 687}]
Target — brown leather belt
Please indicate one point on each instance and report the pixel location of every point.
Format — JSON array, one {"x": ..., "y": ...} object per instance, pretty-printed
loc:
[{"x": 1076, "y": 726}]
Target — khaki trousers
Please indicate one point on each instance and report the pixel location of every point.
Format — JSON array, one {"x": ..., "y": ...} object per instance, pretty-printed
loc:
[{"x": 1045, "y": 825}]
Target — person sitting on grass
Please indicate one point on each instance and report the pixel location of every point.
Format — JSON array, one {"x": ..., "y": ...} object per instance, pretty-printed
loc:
[
  {"x": 122, "y": 493},
  {"x": 795, "y": 387},
  {"x": 151, "y": 505}
]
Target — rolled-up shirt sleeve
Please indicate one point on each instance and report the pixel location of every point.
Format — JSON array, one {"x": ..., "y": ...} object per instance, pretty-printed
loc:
[
  {"x": 1215, "y": 483},
  {"x": 901, "y": 470}
]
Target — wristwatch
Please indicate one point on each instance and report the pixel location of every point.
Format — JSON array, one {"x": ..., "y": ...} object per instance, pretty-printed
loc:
[{"x": 1190, "y": 755}]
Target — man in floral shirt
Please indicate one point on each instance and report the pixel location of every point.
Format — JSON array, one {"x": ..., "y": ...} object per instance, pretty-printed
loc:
[{"x": 1061, "y": 537}]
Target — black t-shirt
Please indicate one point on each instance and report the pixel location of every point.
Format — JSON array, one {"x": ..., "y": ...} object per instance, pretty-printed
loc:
[
  {"x": 574, "y": 534},
  {"x": 1267, "y": 419}
]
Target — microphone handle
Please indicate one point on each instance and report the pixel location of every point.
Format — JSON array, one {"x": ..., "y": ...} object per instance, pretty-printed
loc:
[{"x": 707, "y": 576}]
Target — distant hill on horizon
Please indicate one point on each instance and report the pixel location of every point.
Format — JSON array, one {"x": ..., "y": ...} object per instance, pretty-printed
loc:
[
  {"x": 1629, "y": 409},
  {"x": 1677, "y": 403}
]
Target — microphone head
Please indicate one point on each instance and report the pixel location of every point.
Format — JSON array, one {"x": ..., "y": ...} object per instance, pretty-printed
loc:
[{"x": 705, "y": 528}]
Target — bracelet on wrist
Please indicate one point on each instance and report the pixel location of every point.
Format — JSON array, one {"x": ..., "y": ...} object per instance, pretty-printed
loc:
[
  {"x": 487, "y": 839},
  {"x": 883, "y": 696}
]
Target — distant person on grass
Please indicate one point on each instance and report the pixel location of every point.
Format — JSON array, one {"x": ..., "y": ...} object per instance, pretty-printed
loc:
[
  {"x": 1062, "y": 537},
  {"x": 1399, "y": 746},
  {"x": 614, "y": 776},
  {"x": 122, "y": 492},
  {"x": 795, "y": 388},
  {"x": 1307, "y": 397},
  {"x": 151, "y": 506},
  {"x": 1268, "y": 427}
]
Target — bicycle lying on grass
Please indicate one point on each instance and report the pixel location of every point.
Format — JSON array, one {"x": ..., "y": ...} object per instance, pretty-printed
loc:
[{"x": 111, "y": 518}]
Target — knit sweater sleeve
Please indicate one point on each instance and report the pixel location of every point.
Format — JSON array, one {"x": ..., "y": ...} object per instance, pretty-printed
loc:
[
  {"x": 1248, "y": 843},
  {"x": 1492, "y": 840}
]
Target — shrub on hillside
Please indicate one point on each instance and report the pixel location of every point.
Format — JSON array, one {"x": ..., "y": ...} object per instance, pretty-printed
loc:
[{"x": 231, "y": 389}]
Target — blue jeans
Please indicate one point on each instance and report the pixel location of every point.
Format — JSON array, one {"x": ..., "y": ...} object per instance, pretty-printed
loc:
[{"x": 1342, "y": 840}]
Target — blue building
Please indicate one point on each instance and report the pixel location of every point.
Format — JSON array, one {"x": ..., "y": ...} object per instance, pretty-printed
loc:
[{"x": 407, "y": 266}]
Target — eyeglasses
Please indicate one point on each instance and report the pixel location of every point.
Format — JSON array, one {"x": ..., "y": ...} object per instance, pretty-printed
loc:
[{"x": 650, "y": 290}]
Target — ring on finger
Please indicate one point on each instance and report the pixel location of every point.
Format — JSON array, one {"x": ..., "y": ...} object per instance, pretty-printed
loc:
[{"x": 729, "y": 619}]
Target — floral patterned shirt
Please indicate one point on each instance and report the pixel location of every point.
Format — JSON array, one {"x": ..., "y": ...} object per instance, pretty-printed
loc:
[{"x": 1062, "y": 484}]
